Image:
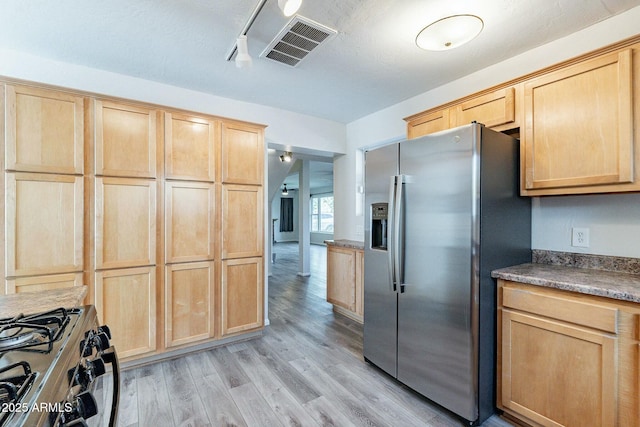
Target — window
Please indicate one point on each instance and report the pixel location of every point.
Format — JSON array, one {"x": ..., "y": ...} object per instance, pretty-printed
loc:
[{"x": 322, "y": 213}]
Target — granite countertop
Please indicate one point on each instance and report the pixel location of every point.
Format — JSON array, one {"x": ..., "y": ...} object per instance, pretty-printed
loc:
[
  {"x": 35, "y": 302},
  {"x": 620, "y": 285},
  {"x": 345, "y": 243}
]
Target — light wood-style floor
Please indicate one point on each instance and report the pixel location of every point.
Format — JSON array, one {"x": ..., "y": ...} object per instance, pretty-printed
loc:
[{"x": 306, "y": 370}]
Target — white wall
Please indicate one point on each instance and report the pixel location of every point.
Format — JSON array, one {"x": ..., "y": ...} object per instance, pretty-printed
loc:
[
  {"x": 285, "y": 128},
  {"x": 614, "y": 220}
]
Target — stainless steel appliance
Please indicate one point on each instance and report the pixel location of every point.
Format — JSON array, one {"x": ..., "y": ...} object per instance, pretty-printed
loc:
[
  {"x": 50, "y": 365},
  {"x": 453, "y": 214}
]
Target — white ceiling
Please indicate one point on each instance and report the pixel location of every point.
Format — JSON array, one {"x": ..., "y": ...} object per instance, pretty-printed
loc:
[
  {"x": 371, "y": 64},
  {"x": 320, "y": 177}
]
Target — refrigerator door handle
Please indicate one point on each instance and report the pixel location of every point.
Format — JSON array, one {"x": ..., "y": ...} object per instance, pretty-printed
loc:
[
  {"x": 391, "y": 230},
  {"x": 398, "y": 234}
]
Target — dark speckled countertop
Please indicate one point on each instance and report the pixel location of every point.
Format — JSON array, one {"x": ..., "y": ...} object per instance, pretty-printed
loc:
[{"x": 586, "y": 274}]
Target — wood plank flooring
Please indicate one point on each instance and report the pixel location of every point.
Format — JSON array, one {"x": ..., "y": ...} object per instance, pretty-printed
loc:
[{"x": 307, "y": 370}]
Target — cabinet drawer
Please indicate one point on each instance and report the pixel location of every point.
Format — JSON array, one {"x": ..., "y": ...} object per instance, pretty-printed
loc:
[{"x": 562, "y": 308}]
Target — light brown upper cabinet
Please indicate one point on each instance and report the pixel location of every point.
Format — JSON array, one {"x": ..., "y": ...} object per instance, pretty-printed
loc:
[
  {"x": 425, "y": 123},
  {"x": 125, "y": 222},
  {"x": 189, "y": 219},
  {"x": 242, "y": 295},
  {"x": 189, "y": 147},
  {"x": 44, "y": 224},
  {"x": 242, "y": 153},
  {"x": 493, "y": 109},
  {"x": 125, "y": 140},
  {"x": 44, "y": 130},
  {"x": 579, "y": 128},
  {"x": 242, "y": 227},
  {"x": 496, "y": 109}
]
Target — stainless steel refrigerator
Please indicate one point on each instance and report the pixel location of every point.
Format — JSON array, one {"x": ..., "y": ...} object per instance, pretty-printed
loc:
[{"x": 442, "y": 211}]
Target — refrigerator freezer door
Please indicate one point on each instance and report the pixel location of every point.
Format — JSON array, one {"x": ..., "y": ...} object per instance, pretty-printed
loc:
[
  {"x": 380, "y": 302},
  {"x": 436, "y": 355}
]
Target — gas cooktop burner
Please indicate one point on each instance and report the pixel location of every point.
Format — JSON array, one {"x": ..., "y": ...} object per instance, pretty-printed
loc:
[
  {"x": 15, "y": 380},
  {"x": 35, "y": 333}
]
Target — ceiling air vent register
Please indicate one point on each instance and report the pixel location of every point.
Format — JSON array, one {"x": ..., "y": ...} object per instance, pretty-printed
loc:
[{"x": 296, "y": 40}]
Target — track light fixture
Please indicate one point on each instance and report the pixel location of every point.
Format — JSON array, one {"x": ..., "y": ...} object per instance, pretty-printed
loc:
[
  {"x": 243, "y": 60},
  {"x": 285, "y": 192},
  {"x": 286, "y": 156},
  {"x": 289, "y": 7}
]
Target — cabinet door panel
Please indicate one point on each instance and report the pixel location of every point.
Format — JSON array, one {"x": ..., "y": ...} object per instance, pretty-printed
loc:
[
  {"x": 428, "y": 123},
  {"x": 242, "y": 153},
  {"x": 579, "y": 125},
  {"x": 189, "y": 302},
  {"x": 44, "y": 223},
  {"x": 242, "y": 221},
  {"x": 242, "y": 295},
  {"x": 125, "y": 222},
  {"x": 190, "y": 212},
  {"x": 45, "y": 131},
  {"x": 125, "y": 140},
  {"x": 557, "y": 374},
  {"x": 341, "y": 277},
  {"x": 43, "y": 283},
  {"x": 189, "y": 147},
  {"x": 492, "y": 109},
  {"x": 126, "y": 301}
]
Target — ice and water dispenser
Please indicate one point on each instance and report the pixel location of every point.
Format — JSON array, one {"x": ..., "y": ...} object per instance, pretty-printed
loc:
[{"x": 379, "y": 226}]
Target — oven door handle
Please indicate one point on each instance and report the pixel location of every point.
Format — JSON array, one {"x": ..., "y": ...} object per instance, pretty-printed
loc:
[{"x": 109, "y": 355}]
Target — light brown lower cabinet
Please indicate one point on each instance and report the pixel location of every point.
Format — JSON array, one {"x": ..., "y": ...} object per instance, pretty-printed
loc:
[
  {"x": 242, "y": 295},
  {"x": 567, "y": 359},
  {"x": 189, "y": 302},
  {"x": 126, "y": 301},
  {"x": 345, "y": 280}
]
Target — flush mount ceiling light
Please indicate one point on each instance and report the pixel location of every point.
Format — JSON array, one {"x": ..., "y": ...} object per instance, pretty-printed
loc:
[
  {"x": 289, "y": 7},
  {"x": 285, "y": 192},
  {"x": 286, "y": 156},
  {"x": 450, "y": 32}
]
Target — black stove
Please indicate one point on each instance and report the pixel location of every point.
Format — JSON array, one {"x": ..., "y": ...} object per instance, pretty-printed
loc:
[{"x": 49, "y": 363}]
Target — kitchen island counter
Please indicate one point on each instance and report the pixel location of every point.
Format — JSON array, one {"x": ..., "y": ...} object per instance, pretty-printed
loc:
[{"x": 36, "y": 302}]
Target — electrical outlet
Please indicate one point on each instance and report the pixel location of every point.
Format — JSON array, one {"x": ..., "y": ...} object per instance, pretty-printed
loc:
[{"x": 580, "y": 237}]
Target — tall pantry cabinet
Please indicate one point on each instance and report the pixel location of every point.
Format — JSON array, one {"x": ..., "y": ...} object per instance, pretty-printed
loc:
[
  {"x": 190, "y": 241},
  {"x": 124, "y": 219},
  {"x": 159, "y": 211}
]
